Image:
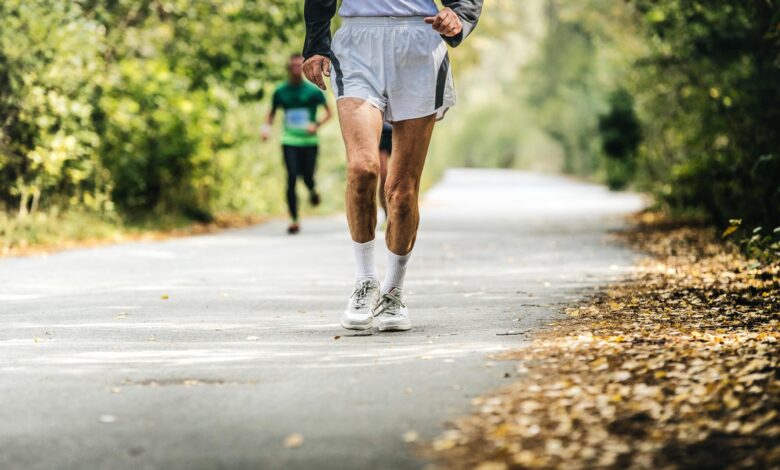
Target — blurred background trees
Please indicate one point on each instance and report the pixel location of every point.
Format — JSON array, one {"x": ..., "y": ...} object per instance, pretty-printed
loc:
[
  {"x": 149, "y": 108},
  {"x": 675, "y": 97},
  {"x": 134, "y": 106}
]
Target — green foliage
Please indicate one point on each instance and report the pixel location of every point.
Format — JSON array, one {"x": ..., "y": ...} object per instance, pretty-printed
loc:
[
  {"x": 677, "y": 97},
  {"x": 564, "y": 94},
  {"x": 758, "y": 244},
  {"x": 621, "y": 135},
  {"x": 709, "y": 98},
  {"x": 762, "y": 247},
  {"x": 125, "y": 105}
]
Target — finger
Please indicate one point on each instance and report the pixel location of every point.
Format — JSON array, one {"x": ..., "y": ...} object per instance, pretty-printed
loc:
[
  {"x": 446, "y": 24},
  {"x": 307, "y": 71},
  {"x": 452, "y": 28},
  {"x": 455, "y": 27},
  {"x": 437, "y": 21},
  {"x": 313, "y": 72},
  {"x": 318, "y": 76},
  {"x": 429, "y": 19},
  {"x": 326, "y": 67},
  {"x": 320, "y": 83}
]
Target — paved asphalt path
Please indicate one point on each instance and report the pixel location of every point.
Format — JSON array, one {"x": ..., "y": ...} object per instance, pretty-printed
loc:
[{"x": 206, "y": 352}]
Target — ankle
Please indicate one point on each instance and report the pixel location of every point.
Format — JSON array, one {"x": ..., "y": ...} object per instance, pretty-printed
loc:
[
  {"x": 396, "y": 272},
  {"x": 365, "y": 268}
]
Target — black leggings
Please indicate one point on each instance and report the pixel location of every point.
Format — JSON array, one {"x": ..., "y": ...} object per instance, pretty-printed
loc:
[{"x": 300, "y": 161}]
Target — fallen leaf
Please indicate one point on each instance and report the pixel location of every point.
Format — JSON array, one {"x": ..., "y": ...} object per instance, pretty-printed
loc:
[{"x": 293, "y": 441}]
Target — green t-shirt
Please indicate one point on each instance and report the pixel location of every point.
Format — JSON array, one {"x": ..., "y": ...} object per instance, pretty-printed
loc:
[{"x": 299, "y": 103}]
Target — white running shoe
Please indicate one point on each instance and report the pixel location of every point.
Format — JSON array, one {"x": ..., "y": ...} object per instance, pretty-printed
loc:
[
  {"x": 360, "y": 310},
  {"x": 391, "y": 312}
]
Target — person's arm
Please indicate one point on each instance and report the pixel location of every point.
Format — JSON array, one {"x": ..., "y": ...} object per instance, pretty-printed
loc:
[
  {"x": 316, "y": 49},
  {"x": 328, "y": 114},
  {"x": 457, "y": 20},
  {"x": 265, "y": 133},
  {"x": 317, "y": 14}
]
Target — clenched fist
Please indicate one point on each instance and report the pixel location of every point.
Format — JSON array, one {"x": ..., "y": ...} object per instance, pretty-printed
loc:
[{"x": 446, "y": 23}]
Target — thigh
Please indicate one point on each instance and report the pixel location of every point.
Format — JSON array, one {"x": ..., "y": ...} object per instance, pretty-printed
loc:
[
  {"x": 361, "y": 125},
  {"x": 310, "y": 160},
  {"x": 410, "y": 148},
  {"x": 292, "y": 156}
]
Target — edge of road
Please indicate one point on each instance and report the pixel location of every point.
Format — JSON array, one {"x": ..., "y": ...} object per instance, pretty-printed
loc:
[{"x": 219, "y": 224}]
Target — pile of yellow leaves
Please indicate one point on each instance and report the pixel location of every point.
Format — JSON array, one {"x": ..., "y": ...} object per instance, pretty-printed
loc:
[{"x": 675, "y": 368}]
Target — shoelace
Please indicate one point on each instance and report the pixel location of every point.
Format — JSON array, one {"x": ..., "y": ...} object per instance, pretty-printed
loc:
[
  {"x": 361, "y": 294},
  {"x": 390, "y": 304}
]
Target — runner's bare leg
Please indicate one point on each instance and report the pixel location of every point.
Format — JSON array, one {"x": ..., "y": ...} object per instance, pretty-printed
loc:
[
  {"x": 361, "y": 127},
  {"x": 411, "y": 139}
]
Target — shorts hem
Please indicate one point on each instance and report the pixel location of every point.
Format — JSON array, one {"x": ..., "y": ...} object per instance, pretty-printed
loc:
[
  {"x": 439, "y": 112},
  {"x": 369, "y": 100}
]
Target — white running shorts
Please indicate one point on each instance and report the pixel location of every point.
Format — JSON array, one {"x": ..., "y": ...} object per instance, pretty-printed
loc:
[{"x": 398, "y": 64}]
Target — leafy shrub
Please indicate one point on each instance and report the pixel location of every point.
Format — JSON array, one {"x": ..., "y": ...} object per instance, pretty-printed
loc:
[
  {"x": 620, "y": 136},
  {"x": 122, "y": 105}
]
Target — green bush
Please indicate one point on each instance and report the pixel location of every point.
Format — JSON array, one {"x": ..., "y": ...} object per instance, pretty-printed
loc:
[
  {"x": 123, "y": 106},
  {"x": 621, "y": 135},
  {"x": 710, "y": 98}
]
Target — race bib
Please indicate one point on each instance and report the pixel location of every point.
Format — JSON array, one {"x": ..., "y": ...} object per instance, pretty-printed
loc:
[{"x": 297, "y": 118}]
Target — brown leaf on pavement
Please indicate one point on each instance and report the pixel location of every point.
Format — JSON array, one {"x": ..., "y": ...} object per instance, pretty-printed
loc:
[{"x": 293, "y": 441}]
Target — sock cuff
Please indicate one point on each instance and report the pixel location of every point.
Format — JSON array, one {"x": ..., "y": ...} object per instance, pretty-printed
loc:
[
  {"x": 396, "y": 271},
  {"x": 364, "y": 260},
  {"x": 367, "y": 244},
  {"x": 391, "y": 255}
]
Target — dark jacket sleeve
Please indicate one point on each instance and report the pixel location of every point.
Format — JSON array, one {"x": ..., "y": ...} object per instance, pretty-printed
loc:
[
  {"x": 318, "y": 14},
  {"x": 468, "y": 11}
]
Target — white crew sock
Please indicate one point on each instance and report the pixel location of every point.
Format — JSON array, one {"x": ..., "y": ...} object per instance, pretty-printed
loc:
[
  {"x": 396, "y": 270},
  {"x": 365, "y": 268}
]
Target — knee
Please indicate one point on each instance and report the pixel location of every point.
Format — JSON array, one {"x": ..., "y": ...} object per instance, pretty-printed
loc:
[
  {"x": 401, "y": 197},
  {"x": 363, "y": 173}
]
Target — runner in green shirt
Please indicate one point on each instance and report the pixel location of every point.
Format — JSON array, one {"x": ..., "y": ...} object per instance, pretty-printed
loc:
[{"x": 300, "y": 100}]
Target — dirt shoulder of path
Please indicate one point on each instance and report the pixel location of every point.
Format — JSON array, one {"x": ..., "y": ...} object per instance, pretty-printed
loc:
[
  {"x": 677, "y": 367},
  {"x": 124, "y": 235}
]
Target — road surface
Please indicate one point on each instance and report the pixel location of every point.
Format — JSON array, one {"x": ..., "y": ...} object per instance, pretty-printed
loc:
[{"x": 208, "y": 352}]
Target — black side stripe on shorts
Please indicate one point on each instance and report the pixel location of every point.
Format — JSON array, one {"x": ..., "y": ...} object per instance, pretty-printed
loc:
[
  {"x": 441, "y": 81},
  {"x": 339, "y": 75}
]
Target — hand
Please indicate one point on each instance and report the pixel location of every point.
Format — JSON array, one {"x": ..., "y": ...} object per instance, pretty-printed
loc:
[
  {"x": 312, "y": 129},
  {"x": 315, "y": 67},
  {"x": 446, "y": 23},
  {"x": 265, "y": 134}
]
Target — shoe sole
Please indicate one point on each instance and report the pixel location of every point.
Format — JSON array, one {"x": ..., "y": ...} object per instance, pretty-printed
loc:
[
  {"x": 395, "y": 328},
  {"x": 350, "y": 326}
]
